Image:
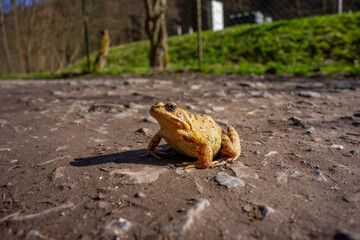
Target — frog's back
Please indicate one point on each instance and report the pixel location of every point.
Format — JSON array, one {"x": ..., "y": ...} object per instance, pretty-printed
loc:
[{"x": 205, "y": 126}]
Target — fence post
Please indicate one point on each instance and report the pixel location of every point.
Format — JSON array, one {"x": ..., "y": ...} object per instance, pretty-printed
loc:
[
  {"x": 86, "y": 35},
  {"x": 199, "y": 30},
  {"x": 340, "y": 6}
]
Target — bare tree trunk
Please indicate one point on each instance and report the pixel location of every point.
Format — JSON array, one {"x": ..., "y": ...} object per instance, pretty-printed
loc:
[
  {"x": 17, "y": 35},
  {"x": 75, "y": 53},
  {"x": 103, "y": 51},
  {"x": 129, "y": 30},
  {"x": 199, "y": 31},
  {"x": 156, "y": 30},
  {"x": 4, "y": 39},
  {"x": 297, "y": 6},
  {"x": 324, "y": 6},
  {"x": 142, "y": 27},
  {"x": 60, "y": 54},
  {"x": 86, "y": 35},
  {"x": 29, "y": 42}
]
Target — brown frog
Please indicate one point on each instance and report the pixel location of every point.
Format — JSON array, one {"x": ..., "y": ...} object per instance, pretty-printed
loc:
[{"x": 194, "y": 135}]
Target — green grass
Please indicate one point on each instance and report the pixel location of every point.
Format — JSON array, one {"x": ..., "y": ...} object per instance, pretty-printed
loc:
[{"x": 326, "y": 45}]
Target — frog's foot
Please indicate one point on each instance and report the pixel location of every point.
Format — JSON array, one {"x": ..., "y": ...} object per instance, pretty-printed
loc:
[
  {"x": 223, "y": 161},
  {"x": 153, "y": 153},
  {"x": 196, "y": 165},
  {"x": 217, "y": 163},
  {"x": 229, "y": 160}
]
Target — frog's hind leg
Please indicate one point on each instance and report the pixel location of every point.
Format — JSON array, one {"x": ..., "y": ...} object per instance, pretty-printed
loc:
[
  {"x": 230, "y": 146},
  {"x": 204, "y": 160},
  {"x": 205, "y": 153}
]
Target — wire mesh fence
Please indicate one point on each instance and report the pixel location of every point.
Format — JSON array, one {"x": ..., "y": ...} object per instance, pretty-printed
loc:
[
  {"x": 47, "y": 35},
  {"x": 182, "y": 13}
]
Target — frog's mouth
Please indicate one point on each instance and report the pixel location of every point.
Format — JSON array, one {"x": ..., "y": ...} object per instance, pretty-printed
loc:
[
  {"x": 165, "y": 119},
  {"x": 161, "y": 114}
]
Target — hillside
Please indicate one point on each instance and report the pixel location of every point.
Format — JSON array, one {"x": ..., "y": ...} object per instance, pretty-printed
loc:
[
  {"x": 311, "y": 46},
  {"x": 307, "y": 46}
]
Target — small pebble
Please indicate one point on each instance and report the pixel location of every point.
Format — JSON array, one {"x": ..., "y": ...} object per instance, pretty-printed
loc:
[
  {"x": 270, "y": 153},
  {"x": 247, "y": 208},
  {"x": 116, "y": 229},
  {"x": 32, "y": 233},
  {"x": 144, "y": 131},
  {"x": 319, "y": 176},
  {"x": 309, "y": 94},
  {"x": 123, "y": 149},
  {"x": 67, "y": 185},
  {"x": 336, "y": 146},
  {"x": 105, "y": 190},
  {"x": 62, "y": 148},
  {"x": 179, "y": 226},
  {"x": 257, "y": 143},
  {"x": 104, "y": 204},
  {"x": 355, "y": 152},
  {"x": 199, "y": 187},
  {"x": 140, "y": 195},
  {"x": 352, "y": 197},
  {"x": 86, "y": 177},
  {"x": 195, "y": 87},
  {"x": 57, "y": 173},
  {"x": 126, "y": 176},
  {"x": 297, "y": 121},
  {"x": 310, "y": 130},
  {"x": 229, "y": 181},
  {"x": 218, "y": 109}
]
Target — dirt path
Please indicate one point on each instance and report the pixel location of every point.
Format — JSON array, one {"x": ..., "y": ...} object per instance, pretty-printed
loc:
[{"x": 70, "y": 168}]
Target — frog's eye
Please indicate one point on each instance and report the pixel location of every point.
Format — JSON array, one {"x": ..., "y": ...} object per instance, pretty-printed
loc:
[{"x": 170, "y": 107}]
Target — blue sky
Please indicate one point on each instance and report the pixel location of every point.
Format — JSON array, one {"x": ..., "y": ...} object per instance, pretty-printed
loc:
[{"x": 6, "y": 4}]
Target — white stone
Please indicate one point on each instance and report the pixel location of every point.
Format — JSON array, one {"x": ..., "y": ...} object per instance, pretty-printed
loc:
[
  {"x": 337, "y": 146},
  {"x": 268, "y": 154},
  {"x": 218, "y": 109},
  {"x": 125, "y": 176},
  {"x": 199, "y": 187},
  {"x": 57, "y": 173},
  {"x": 181, "y": 225},
  {"x": 309, "y": 94},
  {"x": 62, "y": 148},
  {"x": 117, "y": 228},
  {"x": 229, "y": 181},
  {"x": 243, "y": 171},
  {"x": 282, "y": 177},
  {"x": 319, "y": 176}
]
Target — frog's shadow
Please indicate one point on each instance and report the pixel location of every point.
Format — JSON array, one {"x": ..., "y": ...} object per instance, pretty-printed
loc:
[{"x": 132, "y": 156}]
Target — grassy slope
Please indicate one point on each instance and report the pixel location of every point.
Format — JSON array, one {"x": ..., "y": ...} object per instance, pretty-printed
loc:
[{"x": 330, "y": 44}]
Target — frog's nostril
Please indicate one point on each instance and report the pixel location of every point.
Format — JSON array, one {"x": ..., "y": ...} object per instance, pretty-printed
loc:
[{"x": 159, "y": 104}]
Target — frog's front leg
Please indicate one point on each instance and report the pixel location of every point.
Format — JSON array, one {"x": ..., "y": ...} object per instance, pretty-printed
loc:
[
  {"x": 152, "y": 146},
  {"x": 204, "y": 149},
  {"x": 230, "y": 146}
]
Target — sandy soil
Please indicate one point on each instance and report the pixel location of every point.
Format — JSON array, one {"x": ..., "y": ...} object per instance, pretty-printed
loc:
[{"x": 70, "y": 168}]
